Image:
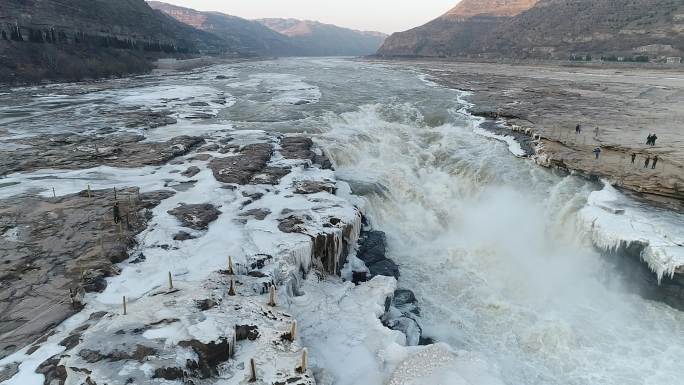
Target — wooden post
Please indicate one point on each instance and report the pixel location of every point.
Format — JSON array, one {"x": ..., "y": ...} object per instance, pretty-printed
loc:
[
  {"x": 124, "y": 305},
  {"x": 271, "y": 295},
  {"x": 303, "y": 366},
  {"x": 252, "y": 370},
  {"x": 54, "y": 195},
  {"x": 170, "y": 281},
  {"x": 89, "y": 193},
  {"x": 231, "y": 290},
  {"x": 232, "y": 345},
  {"x": 293, "y": 330},
  {"x": 230, "y": 266},
  {"x": 114, "y": 193}
]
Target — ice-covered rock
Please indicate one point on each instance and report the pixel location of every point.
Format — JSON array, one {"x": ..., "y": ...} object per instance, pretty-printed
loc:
[{"x": 617, "y": 224}]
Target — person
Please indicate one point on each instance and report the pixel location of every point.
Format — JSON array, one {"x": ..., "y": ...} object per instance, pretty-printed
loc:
[
  {"x": 633, "y": 157},
  {"x": 597, "y": 152},
  {"x": 115, "y": 211},
  {"x": 647, "y": 161},
  {"x": 596, "y": 132},
  {"x": 648, "y": 139},
  {"x": 578, "y": 129},
  {"x": 655, "y": 161},
  {"x": 653, "y": 139}
]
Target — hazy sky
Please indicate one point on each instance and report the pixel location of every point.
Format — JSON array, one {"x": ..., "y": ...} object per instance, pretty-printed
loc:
[{"x": 376, "y": 15}]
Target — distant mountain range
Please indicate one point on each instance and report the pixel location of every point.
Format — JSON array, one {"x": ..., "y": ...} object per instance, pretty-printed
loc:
[
  {"x": 317, "y": 39},
  {"x": 250, "y": 36},
  {"x": 278, "y": 37},
  {"x": 548, "y": 29},
  {"x": 78, "y": 39}
]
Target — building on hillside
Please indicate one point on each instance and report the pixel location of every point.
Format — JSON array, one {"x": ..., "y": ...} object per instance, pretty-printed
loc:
[{"x": 673, "y": 60}]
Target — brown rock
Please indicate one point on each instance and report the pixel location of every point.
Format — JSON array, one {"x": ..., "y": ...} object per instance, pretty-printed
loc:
[{"x": 196, "y": 216}]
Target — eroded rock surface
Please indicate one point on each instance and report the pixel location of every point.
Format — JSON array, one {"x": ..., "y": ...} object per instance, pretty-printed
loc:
[
  {"x": 549, "y": 101},
  {"x": 243, "y": 167},
  {"x": 196, "y": 216},
  {"x": 66, "y": 151},
  {"x": 52, "y": 245}
]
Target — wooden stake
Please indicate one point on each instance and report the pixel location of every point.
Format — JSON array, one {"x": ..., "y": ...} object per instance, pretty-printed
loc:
[
  {"x": 252, "y": 370},
  {"x": 293, "y": 330},
  {"x": 170, "y": 281},
  {"x": 54, "y": 195},
  {"x": 232, "y": 345},
  {"x": 303, "y": 366},
  {"x": 114, "y": 193},
  {"x": 231, "y": 291},
  {"x": 271, "y": 295},
  {"x": 230, "y": 266},
  {"x": 124, "y": 305}
]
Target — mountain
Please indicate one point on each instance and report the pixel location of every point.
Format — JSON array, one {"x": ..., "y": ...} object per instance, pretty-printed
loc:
[
  {"x": 318, "y": 39},
  {"x": 278, "y": 37},
  {"x": 549, "y": 29},
  {"x": 248, "y": 36},
  {"x": 75, "y": 39}
]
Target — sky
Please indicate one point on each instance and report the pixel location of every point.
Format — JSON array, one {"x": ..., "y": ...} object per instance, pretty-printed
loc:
[{"x": 371, "y": 15}]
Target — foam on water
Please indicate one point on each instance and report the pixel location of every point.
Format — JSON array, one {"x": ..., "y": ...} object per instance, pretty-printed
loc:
[{"x": 489, "y": 244}]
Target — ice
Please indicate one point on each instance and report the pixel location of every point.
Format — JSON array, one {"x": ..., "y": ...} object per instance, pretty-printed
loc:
[
  {"x": 192, "y": 263},
  {"x": 615, "y": 222},
  {"x": 339, "y": 323},
  {"x": 288, "y": 89},
  {"x": 438, "y": 365},
  {"x": 155, "y": 95},
  {"x": 513, "y": 145},
  {"x": 476, "y": 122}
]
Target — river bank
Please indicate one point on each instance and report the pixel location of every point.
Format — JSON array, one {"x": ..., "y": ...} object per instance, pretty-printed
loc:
[{"x": 626, "y": 104}]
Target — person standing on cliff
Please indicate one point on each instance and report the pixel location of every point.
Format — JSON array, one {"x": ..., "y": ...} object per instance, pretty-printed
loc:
[
  {"x": 633, "y": 157},
  {"x": 596, "y": 132},
  {"x": 655, "y": 161},
  {"x": 648, "y": 139},
  {"x": 647, "y": 161},
  {"x": 578, "y": 129},
  {"x": 116, "y": 212},
  {"x": 653, "y": 139},
  {"x": 597, "y": 152}
]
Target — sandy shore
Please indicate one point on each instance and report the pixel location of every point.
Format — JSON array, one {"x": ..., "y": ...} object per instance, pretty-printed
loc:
[{"x": 626, "y": 104}]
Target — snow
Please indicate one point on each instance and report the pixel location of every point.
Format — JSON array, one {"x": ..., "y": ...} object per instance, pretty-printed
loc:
[
  {"x": 661, "y": 236},
  {"x": 193, "y": 264}
]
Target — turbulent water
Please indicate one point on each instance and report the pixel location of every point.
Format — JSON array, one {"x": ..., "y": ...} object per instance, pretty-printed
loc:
[{"x": 490, "y": 243}]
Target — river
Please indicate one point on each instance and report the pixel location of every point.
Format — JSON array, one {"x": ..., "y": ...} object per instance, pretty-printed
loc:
[{"x": 491, "y": 244}]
